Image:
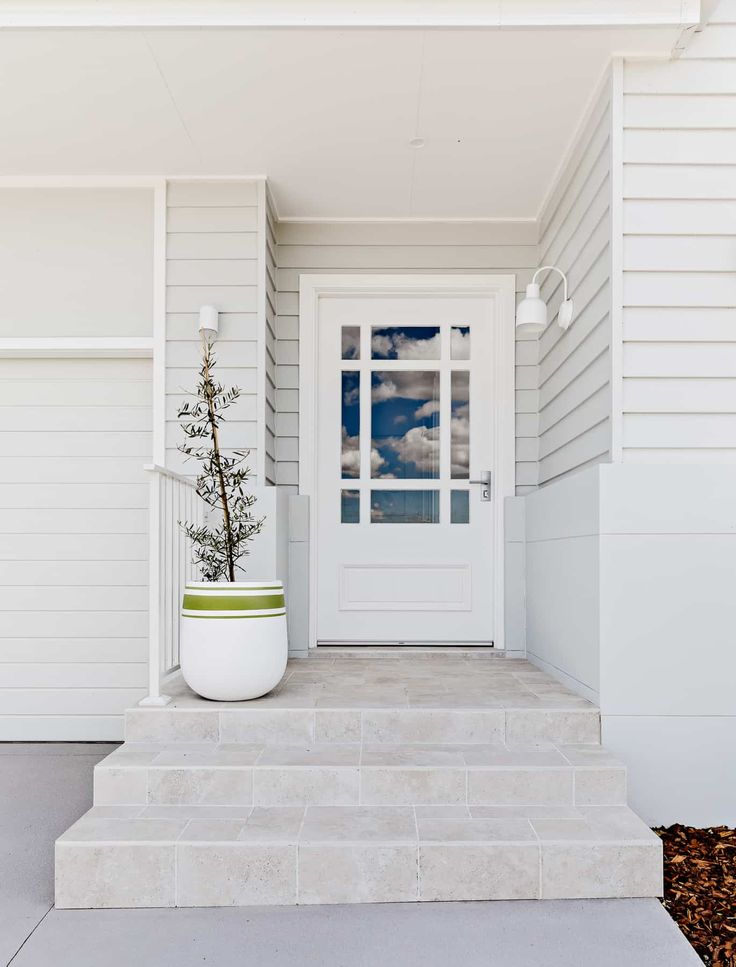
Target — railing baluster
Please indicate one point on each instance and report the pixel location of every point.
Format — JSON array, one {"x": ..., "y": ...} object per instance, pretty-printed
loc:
[{"x": 172, "y": 498}]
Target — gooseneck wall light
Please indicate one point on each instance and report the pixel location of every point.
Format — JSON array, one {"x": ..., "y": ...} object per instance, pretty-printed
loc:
[{"x": 531, "y": 316}]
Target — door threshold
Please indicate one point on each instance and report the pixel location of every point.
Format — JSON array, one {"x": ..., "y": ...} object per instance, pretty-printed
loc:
[
  {"x": 344, "y": 650},
  {"x": 409, "y": 645}
]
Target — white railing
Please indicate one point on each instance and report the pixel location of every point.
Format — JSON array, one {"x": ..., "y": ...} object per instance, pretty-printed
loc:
[{"x": 173, "y": 498}]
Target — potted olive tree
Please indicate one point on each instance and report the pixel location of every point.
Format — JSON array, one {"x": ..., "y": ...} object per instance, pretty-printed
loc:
[{"x": 233, "y": 632}]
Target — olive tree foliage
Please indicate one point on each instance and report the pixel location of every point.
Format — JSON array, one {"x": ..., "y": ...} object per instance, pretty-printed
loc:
[{"x": 219, "y": 544}]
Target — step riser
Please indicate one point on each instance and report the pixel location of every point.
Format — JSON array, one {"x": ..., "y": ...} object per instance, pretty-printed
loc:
[
  {"x": 316, "y": 785},
  {"x": 223, "y": 874},
  {"x": 295, "y": 726}
]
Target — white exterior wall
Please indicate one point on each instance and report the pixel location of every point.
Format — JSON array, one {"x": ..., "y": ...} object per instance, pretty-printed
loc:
[
  {"x": 75, "y": 262},
  {"x": 574, "y": 367},
  {"x": 76, "y": 432},
  {"x": 213, "y": 258},
  {"x": 679, "y": 249},
  {"x": 396, "y": 248},
  {"x": 268, "y": 331}
]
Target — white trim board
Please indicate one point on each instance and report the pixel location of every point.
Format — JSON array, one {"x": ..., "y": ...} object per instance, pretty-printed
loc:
[
  {"x": 500, "y": 287},
  {"x": 77, "y": 347}
]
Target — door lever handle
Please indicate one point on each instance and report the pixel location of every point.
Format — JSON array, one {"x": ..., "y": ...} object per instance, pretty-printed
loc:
[{"x": 485, "y": 483}]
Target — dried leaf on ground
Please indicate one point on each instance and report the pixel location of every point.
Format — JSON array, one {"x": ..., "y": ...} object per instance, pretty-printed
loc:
[{"x": 700, "y": 888}]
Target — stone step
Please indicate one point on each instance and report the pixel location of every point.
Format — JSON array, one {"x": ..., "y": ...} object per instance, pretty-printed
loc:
[
  {"x": 468, "y": 721},
  {"x": 376, "y": 774},
  {"x": 194, "y": 855}
]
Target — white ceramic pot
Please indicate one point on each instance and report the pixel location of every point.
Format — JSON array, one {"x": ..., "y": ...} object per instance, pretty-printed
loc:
[{"x": 233, "y": 638}]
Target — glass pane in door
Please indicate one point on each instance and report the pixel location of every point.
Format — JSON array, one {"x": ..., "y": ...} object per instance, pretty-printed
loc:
[
  {"x": 349, "y": 506},
  {"x": 460, "y": 342},
  {"x": 350, "y": 450},
  {"x": 351, "y": 342},
  {"x": 405, "y": 342},
  {"x": 459, "y": 507},
  {"x": 405, "y": 424},
  {"x": 405, "y": 506},
  {"x": 460, "y": 425}
]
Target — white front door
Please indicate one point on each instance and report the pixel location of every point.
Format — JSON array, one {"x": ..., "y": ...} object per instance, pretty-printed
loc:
[{"x": 405, "y": 477}]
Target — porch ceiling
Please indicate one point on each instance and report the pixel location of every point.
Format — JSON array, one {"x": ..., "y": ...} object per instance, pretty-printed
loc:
[{"x": 327, "y": 114}]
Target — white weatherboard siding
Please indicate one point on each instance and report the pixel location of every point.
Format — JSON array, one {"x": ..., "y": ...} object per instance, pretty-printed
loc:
[
  {"x": 269, "y": 354},
  {"x": 679, "y": 250},
  {"x": 76, "y": 262},
  {"x": 212, "y": 258},
  {"x": 575, "y": 366},
  {"x": 73, "y": 545},
  {"x": 398, "y": 248}
]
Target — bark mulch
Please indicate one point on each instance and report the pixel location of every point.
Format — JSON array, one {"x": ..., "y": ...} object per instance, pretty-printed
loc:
[{"x": 700, "y": 888}]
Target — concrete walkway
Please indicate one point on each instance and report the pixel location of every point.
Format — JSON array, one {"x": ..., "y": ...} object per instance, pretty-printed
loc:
[{"x": 44, "y": 788}]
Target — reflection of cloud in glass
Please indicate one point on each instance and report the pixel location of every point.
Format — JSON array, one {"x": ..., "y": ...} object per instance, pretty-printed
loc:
[
  {"x": 351, "y": 342},
  {"x": 460, "y": 342},
  {"x": 405, "y": 506},
  {"x": 408, "y": 399},
  {"x": 350, "y": 453},
  {"x": 460, "y": 425},
  {"x": 407, "y": 342}
]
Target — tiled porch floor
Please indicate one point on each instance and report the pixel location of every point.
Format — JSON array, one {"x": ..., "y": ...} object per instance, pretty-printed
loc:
[{"x": 404, "y": 679}]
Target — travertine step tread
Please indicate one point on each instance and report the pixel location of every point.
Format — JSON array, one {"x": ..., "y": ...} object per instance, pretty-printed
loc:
[
  {"x": 191, "y": 823},
  {"x": 355, "y": 774},
  {"x": 181, "y": 755},
  {"x": 202, "y": 856}
]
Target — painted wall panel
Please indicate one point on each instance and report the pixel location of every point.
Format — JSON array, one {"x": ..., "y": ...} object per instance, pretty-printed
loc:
[
  {"x": 73, "y": 545},
  {"x": 76, "y": 262}
]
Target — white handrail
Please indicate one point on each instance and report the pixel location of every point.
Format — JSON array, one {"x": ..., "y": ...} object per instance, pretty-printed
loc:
[{"x": 173, "y": 498}]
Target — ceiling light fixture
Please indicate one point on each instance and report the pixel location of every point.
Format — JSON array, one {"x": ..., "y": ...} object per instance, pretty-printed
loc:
[
  {"x": 416, "y": 143},
  {"x": 531, "y": 316}
]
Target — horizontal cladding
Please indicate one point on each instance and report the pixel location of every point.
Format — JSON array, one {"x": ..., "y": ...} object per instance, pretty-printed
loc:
[
  {"x": 73, "y": 545},
  {"x": 335, "y": 248},
  {"x": 212, "y": 259},
  {"x": 574, "y": 367},
  {"x": 679, "y": 252},
  {"x": 270, "y": 353}
]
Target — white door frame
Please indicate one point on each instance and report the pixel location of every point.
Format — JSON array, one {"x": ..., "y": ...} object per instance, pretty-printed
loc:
[{"x": 501, "y": 289}]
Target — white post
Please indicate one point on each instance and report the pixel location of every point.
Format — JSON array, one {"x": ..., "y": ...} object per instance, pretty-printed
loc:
[{"x": 154, "y": 696}]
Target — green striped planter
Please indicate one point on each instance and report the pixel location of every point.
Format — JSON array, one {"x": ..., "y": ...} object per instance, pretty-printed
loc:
[{"x": 227, "y": 654}]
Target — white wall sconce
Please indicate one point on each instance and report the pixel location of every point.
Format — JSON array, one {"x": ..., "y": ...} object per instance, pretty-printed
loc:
[
  {"x": 531, "y": 316},
  {"x": 209, "y": 323}
]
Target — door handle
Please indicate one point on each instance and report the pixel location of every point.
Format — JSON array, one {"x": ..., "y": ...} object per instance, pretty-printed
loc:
[{"x": 485, "y": 484}]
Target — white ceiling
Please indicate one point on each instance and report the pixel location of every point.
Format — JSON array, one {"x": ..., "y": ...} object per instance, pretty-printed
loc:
[{"x": 326, "y": 114}]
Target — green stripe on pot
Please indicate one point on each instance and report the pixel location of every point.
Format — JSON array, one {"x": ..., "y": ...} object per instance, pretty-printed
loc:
[
  {"x": 232, "y": 602},
  {"x": 229, "y": 589},
  {"x": 236, "y": 616}
]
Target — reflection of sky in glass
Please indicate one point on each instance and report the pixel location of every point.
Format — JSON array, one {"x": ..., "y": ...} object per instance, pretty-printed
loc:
[
  {"x": 351, "y": 342},
  {"x": 459, "y": 507},
  {"x": 460, "y": 425},
  {"x": 350, "y": 457},
  {"x": 407, "y": 342},
  {"x": 405, "y": 432},
  {"x": 405, "y": 506},
  {"x": 460, "y": 342},
  {"x": 350, "y": 506}
]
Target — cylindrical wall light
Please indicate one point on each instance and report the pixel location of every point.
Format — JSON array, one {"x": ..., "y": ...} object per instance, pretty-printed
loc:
[
  {"x": 531, "y": 316},
  {"x": 209, "y": 323}
]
